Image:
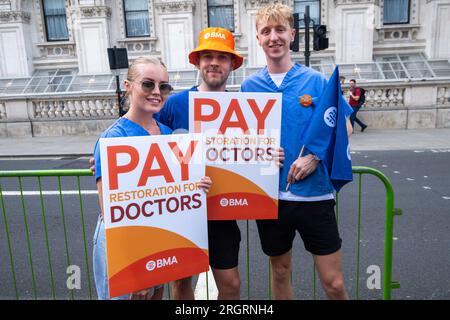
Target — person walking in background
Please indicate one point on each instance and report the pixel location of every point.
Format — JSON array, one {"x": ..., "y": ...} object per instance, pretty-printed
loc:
[{"x": 356, "y": 103}]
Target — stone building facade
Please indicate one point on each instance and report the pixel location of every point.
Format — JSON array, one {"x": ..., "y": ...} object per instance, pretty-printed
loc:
[{"x": 55, "y": 77}]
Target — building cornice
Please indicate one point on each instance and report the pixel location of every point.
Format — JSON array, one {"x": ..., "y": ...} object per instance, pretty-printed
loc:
[
  {"x": 95, "y": 12},
  {"x": 256, "y": 4},
  {"x": 175, "y": 6},
  {"x": 14, "y": 16},
  {"x": 353, "y": 2},
  {"x": 5, "y": 5}
]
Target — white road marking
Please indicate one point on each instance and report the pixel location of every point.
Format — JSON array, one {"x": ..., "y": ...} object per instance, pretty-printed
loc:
[
  {"x": 384, "y": 165},
  {"x": 419, "y": 151},
  {"x": 48, "y": 193},
  {"x": 410, "y": 179},
  {"x": 445, "y": 198},
  {"x": 374, "y": 160},
  {"x": 426, "y": 187},
  {"x": 30, "y": 158},
  {"x": 396, "y": 171},
  {"x": 200, "y": 288},
  {"x": 394, "y": 238},
  {"x": 426, "y": 177}
]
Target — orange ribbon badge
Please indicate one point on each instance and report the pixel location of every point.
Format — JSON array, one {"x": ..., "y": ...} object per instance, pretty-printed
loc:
[{"x": 306, "y": 100}]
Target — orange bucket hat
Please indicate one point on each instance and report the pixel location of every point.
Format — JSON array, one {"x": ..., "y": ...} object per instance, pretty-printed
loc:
[{"x": 216, "y": 39}]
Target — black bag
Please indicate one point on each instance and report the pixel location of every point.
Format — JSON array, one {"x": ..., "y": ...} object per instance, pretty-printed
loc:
[{"x": 362, "y": 97}]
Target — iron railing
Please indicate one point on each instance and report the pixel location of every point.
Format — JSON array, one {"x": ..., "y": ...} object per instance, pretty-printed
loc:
[{"x": 390, "y": 212}]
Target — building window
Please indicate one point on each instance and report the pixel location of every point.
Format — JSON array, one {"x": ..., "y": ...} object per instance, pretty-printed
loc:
[
  {"x": 55, "y": 20},
  {"x": 136, "y": 18},
  {"x": 220, "y": 14},
  {"x": 314, "y": 10},
  {"x": 396, "y": 11}
]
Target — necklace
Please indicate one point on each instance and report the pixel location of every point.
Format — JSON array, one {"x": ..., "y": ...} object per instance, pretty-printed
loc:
[{"x": 153, "y": 129}]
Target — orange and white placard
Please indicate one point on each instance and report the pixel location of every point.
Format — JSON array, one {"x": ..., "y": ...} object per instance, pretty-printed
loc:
[
  {"x": 241, "y": 131},
  {"x": 154, "y": 212}
]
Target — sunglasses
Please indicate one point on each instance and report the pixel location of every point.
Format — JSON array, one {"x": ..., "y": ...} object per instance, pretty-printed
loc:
[{"x": 148, "y": 86}]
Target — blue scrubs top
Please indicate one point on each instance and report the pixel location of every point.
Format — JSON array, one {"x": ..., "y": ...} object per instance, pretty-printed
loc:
[
  {"x": 175, "y": 113},
  {"x": 123, "y": 127},
  {"x": 299, "y": 81}
]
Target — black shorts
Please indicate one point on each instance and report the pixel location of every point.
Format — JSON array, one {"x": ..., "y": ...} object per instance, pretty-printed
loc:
[
  {"x": 314, "y": 221},
  {"x": 224, "y": 238}
]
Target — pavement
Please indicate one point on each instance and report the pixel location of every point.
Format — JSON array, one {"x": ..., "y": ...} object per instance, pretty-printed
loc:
[{"x": 369, "y": 140}]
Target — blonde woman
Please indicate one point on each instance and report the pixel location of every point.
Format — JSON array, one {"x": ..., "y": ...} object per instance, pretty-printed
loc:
[{"x": 147, "y": 86}]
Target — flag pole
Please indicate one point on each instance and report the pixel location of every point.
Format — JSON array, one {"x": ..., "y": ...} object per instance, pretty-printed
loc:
[{"x": 299, "y": 156}]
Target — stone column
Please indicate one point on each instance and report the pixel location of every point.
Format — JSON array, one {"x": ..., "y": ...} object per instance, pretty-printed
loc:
[
  {"x": 15, "y": 41},
  {"x": 354, "y": 30},
  {"x": 438, "y": 45},
  {"x": 91, "y": 26},
  {"x": 174, "y": 21}
]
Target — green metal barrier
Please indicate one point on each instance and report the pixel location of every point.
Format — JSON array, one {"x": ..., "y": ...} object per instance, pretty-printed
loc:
[
  {"x": 388, "y": 284},
  {"x": 39, "y": 174},
  {"x": 390, "y": 212}
]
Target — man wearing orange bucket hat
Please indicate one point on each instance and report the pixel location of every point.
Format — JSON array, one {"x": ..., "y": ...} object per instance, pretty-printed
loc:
[
  {"x": 216, "y": 39},
  {"x": 215, "y": 58}
]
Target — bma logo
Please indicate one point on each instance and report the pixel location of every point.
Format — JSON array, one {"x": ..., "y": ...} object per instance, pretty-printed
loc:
[
  {"x": 214, "y": 35},
  {"x": 161, "y": 263},
  {"x": 151, "y": 265},
  {"x": 330, "y": 117},
  {"x": 224, "y": 202}
]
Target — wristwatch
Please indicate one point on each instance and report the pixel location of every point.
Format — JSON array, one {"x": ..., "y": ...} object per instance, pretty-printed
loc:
[{"x": 315, "y": 157}]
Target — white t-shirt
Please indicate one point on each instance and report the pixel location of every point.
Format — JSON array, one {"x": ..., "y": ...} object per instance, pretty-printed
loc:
[
  {"x": 278, "y": 78},
  {"x": 289, "y": 196}
]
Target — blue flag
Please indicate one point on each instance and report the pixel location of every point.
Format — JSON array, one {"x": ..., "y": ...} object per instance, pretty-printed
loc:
[{"x": 326, "y": 135}]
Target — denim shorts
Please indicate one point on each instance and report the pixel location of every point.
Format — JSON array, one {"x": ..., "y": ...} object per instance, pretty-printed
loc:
[{"x": 100, "y": 269}]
